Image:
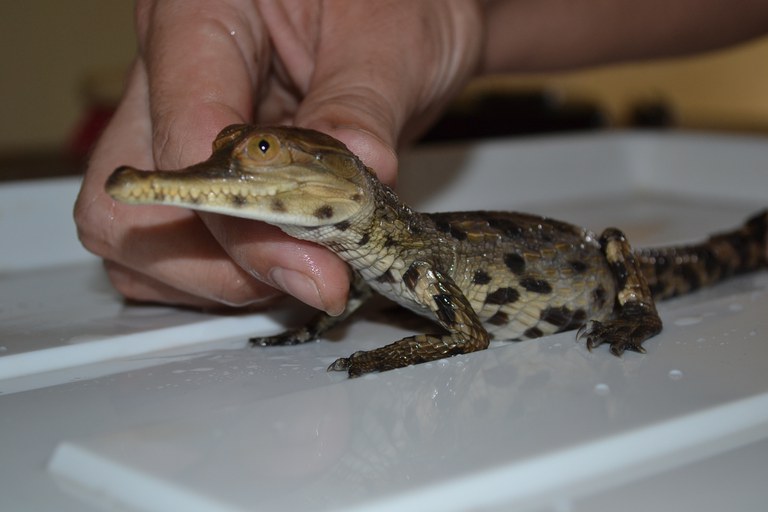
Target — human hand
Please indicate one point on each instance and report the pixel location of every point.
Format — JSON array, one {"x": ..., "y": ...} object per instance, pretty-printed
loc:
[{"x": 371, "y": 74}]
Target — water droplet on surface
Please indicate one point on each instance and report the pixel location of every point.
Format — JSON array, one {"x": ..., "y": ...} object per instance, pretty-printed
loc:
[
  {"x": 602, "y": 389},
  {"x": 687, "y": 320},
  {"x": 675, "y": 374}
]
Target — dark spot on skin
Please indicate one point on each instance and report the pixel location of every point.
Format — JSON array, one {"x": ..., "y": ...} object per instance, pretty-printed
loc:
[
  {"x": 364, "y": 239},
  {"x": 324, "y": 212},
  {"x": 563, "y": 318},
  {"x": 741, "y": 246},
  {"x": 411, "y": 276},
  {"x": 535, "y": 285},
  {"x": 502, "y": 296},
  {"x": 657, "y": 289},
  {"x": 757, "y": 225},
  {"x": 619, "y": 270},
  {"x": 481, "y": 277},
  {"x": 660, "y": 262},
  {"x": 578, "y": 266},
  {"x": 533, "y": 332},
  {"x": 343, "y": 225},
  {"x": 599, "y": 296},
  {"x": 711, "y": 265},
  {"x": 277, "y": 205},
  {"x": 442, "y": 226},
  {"x": 756, "y": 229},
  {"x": 688, "y": 273},
  {"x": 415, "y": 228},
  {"x": 515, "y": 263},
  {"x": 386, "y": 277},
  {"x": 500, "y": 318},
  {"x": 446, "y": 309},
  {"x": 356, "y": 197},
  {"x": 506, "y": 227},
  {"x": 445, "y": 226},
  {"x": 636, "y": 309},
  {"x": 238, "y": 200},
  {"x": 389, "y": 241},
  {"x": 557, "y": 316},
  {"x": 458, "y": 234},
  {"x": 579, "y": 317}
]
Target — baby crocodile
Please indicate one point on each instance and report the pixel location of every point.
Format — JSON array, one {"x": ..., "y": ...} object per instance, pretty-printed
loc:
[{"x": 480, "y": 275}]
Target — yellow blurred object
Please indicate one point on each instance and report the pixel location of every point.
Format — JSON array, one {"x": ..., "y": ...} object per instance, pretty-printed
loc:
[{"x": 724, "y": 90}]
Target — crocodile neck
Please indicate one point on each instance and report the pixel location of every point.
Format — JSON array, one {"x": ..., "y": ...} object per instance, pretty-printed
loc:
[{"x": 379, "y": 235}]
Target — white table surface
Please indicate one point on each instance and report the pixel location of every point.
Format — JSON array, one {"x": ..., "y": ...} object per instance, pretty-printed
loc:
[{"x": 105, "y": 406}]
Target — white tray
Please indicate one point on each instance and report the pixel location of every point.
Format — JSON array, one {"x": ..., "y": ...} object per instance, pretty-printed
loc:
[{"x": 106, "y": 406}]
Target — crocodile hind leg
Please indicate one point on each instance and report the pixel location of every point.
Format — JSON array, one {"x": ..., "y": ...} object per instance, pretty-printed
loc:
[
  {"x": 451, "y": 310},
  {"x": 359, "y": 293},
  {"x": 635, "y": 318}
]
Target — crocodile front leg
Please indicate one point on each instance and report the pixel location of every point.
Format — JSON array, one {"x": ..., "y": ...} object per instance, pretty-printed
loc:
[
  {"x": 451, "y": 309},
  {"x": 635, "y": 318},
  {"x": 359, "y": 293}
]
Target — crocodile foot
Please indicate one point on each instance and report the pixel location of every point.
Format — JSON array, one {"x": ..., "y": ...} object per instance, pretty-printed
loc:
[
  {"x": 290, "y": 337},
  {"x": 628, "y": 332}
]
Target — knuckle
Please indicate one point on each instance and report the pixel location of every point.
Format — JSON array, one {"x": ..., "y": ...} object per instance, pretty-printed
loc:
[
  {"x": 87, "y": 222},
  {"x": 124, "y": 283}
]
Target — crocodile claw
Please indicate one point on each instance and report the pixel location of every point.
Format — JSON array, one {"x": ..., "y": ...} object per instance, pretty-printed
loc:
[
  {"x": 340, "y": 365},
  {"x": 621, "y": 334}
]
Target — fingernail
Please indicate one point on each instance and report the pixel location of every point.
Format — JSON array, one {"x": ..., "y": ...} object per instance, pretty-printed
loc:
[{"x": 297, "y": 284}]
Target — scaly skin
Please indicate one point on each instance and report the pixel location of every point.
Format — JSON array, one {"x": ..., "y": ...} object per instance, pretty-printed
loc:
[{"x": 479, "y": 275}]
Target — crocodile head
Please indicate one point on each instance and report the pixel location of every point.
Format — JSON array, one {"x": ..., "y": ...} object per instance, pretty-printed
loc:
[{"x": 285, "y": 176}]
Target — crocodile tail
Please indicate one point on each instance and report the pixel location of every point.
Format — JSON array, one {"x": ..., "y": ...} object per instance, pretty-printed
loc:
[{"x": 673, "y": 271}]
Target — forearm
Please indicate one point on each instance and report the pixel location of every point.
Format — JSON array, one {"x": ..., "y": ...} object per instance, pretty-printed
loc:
[{"x": 547, "y": 35}]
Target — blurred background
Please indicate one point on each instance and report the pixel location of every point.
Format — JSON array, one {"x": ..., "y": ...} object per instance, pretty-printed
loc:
[{"x": 63, "y": 65}]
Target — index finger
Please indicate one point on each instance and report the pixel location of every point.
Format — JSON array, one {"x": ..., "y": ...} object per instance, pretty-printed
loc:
[
  {"x": 205, "y": 62},
  {"x": 201, "y": 72}
]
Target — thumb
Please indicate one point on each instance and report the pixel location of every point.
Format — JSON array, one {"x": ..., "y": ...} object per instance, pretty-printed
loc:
[
  {"x": 407, "y": 61},
  {"x": 351, "y": 117},
  {"x": 361, "y": 93}
]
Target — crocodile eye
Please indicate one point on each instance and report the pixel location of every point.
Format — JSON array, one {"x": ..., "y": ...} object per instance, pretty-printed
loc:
[{"x": 264, "y": 148}]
